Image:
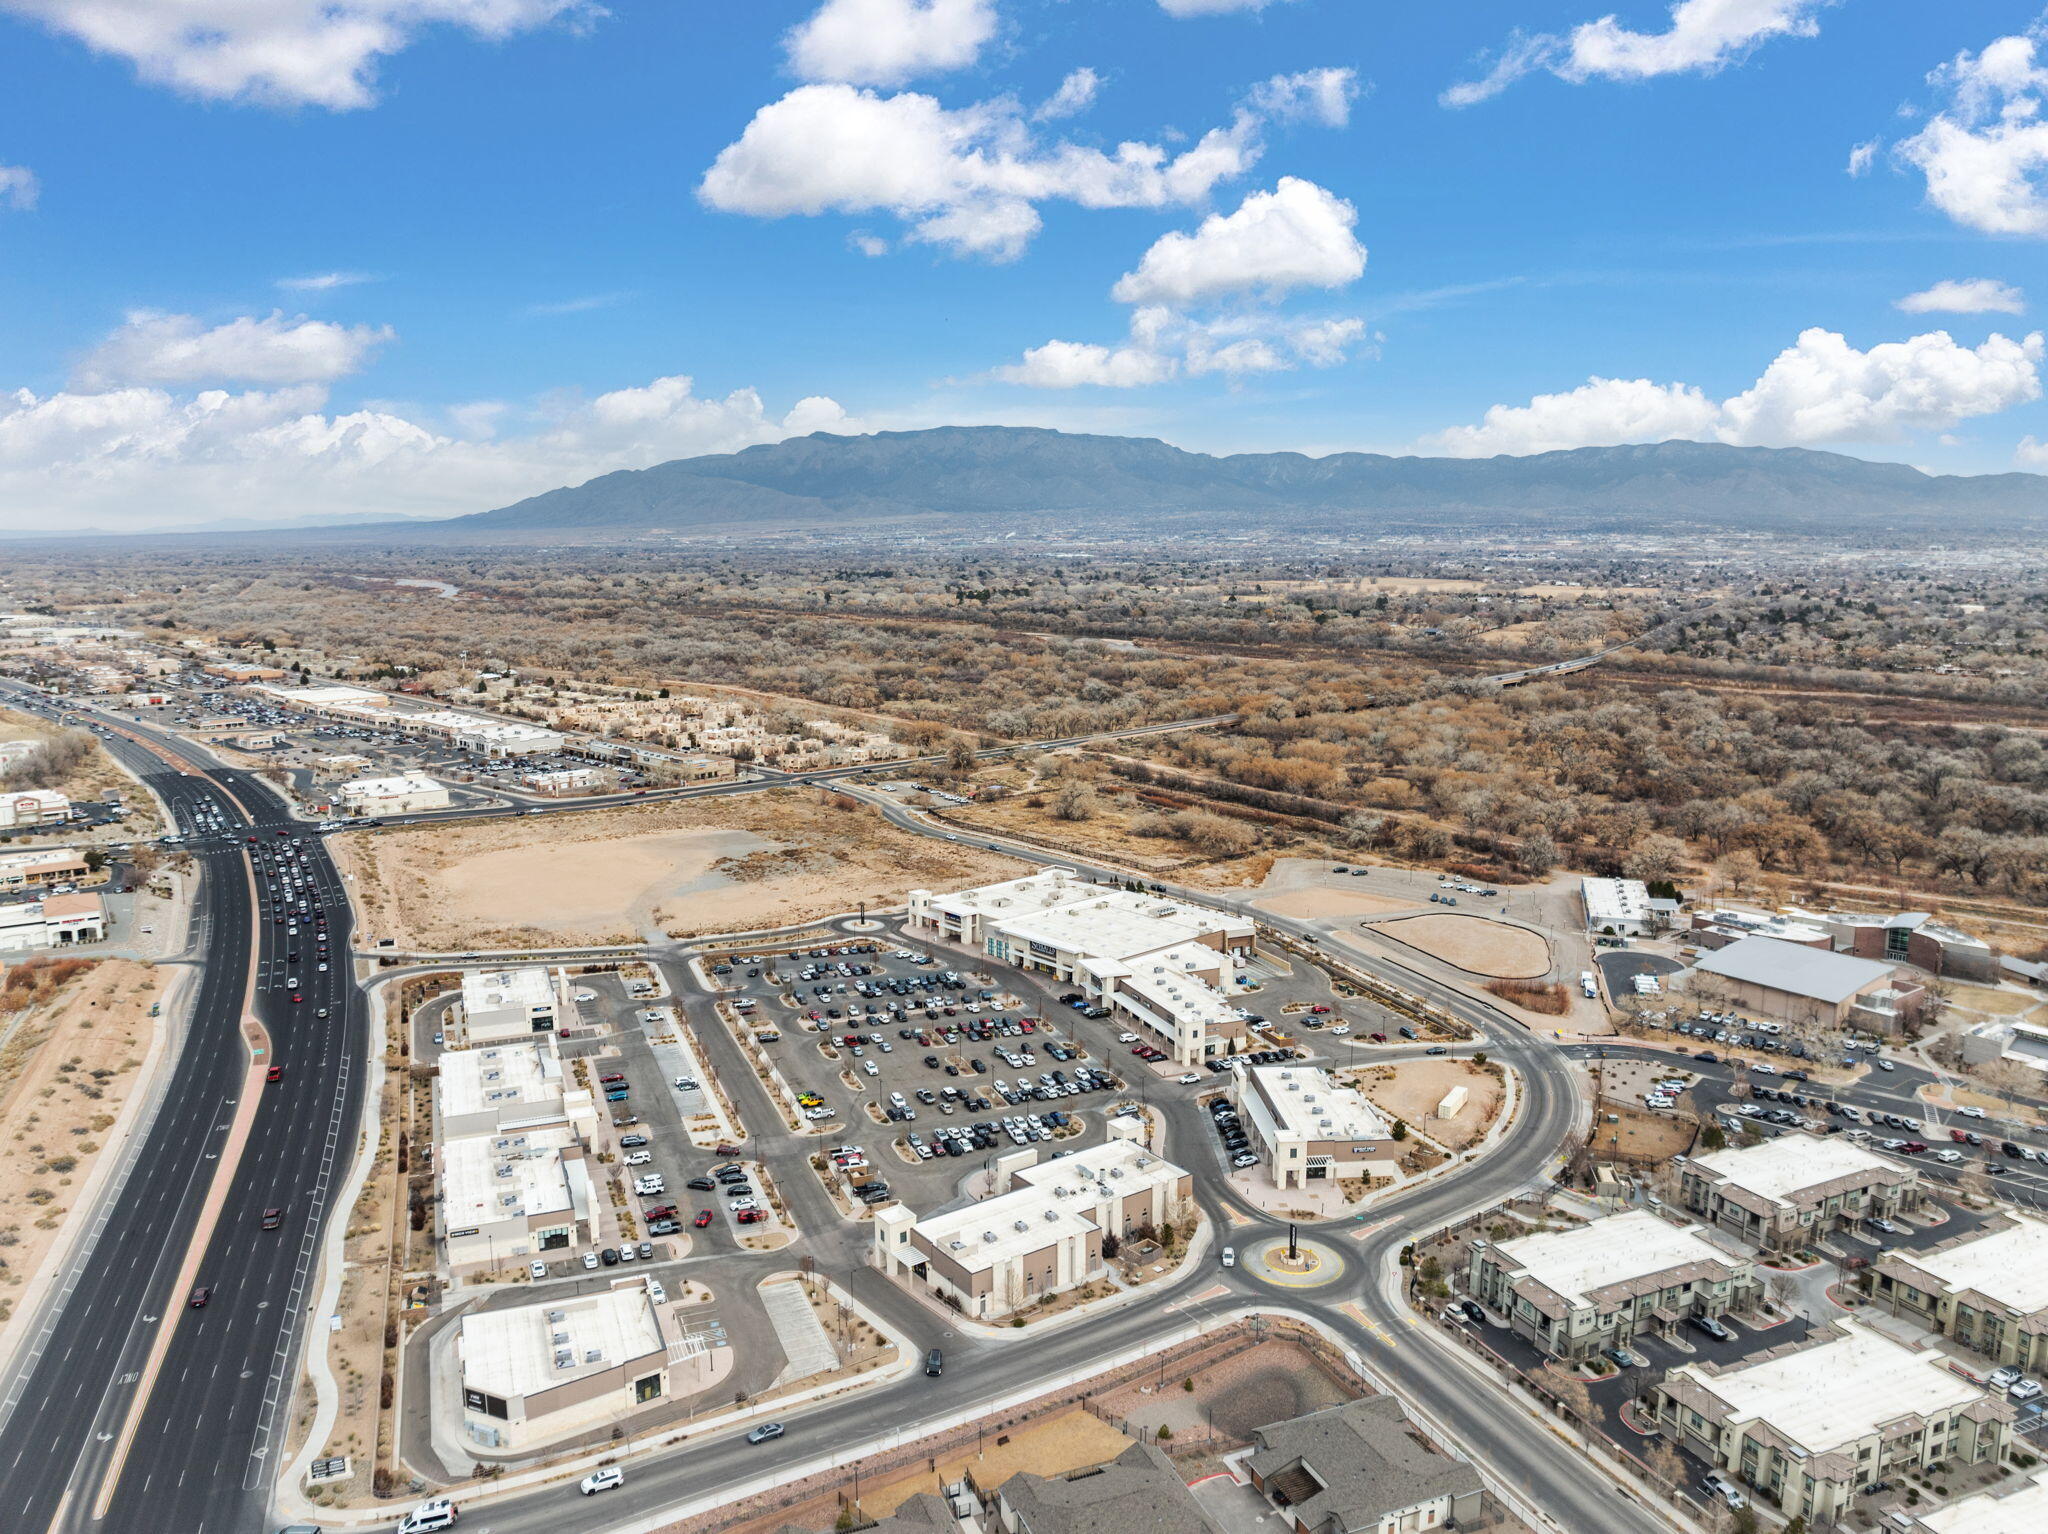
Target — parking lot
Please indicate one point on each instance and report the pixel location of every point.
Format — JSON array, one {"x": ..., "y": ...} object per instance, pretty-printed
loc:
[{"x": 912, "y": 1074}]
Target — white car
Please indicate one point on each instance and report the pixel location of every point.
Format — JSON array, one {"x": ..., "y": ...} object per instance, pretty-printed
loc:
[
  {"x": 638, "y": 1158},
  {"x": 537, "y": 1269},
  {"x": 685, "y": 1084},
  {"x": 590, "y": 1259},
  {"x": 871, "y": 1068},
  {"x": 607, "y": 1479},
  {"x": 743, "y": 1203},
  {"x": 1969, "y": 1113},
  {"x": 1229, "y": 1256},
  {"x": 1341, "y": 1029},
  {"x": 2025, "y": 1390},
  {"x": 1127, "y": 1038},
  {"x": 1189, "y": 1080}
]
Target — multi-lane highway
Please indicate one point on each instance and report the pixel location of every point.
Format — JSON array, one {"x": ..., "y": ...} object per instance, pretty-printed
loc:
[
  {"x": 91, "y": 1436},
  {"x": 205, "y": 1440}
]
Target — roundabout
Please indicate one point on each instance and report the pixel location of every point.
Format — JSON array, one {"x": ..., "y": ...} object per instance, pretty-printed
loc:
[{"x": 1295, "y": 1264}]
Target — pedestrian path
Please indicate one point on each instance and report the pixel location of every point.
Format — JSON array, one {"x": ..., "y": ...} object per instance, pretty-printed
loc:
[{"x": 797, "y": 1327}]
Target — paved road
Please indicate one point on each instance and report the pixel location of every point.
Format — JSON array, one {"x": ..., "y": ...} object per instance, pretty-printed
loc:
[{"x": 212, "y": 1426}]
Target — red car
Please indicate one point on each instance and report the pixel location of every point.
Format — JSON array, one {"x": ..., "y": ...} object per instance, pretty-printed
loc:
[
  {"x": 614, "y": 1076},
  {"x": 660, "y": 1212},
  {"x": 272, "y": 1218},
  {"x": 726, "y": 1150},
  {"x": 1957, "y": 1135},
  {"x": 703, "y": 1218},
  {"x": 1319, "y": 1011},
  {"x": 297, "y": 996},
  {"x": 751, "y": 1216},
  {"x": 204, "y": 1292},
  {"x": 275, "y": 1073}
]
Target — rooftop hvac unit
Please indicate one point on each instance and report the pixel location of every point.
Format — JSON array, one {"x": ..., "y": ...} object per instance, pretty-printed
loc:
[
  {"x": 558, "y": 1338},
  {"x": 1322, "y": 1123},
  {"x": 957, "y": 1245},
  {"x": 565, "y": 1360},
  {"x": 504, "y": 1171},
  {"x": 989, "y": 1236},
  {"x": 1020, "y": 1225},
  {"x": 1116, "y": 1171},
  {"x": 1052, "y": 1216},
  {"x": 492, "y": 1075},
  {"x": 593, "y": 1355},
  {"x": 558, "y": 1315}
]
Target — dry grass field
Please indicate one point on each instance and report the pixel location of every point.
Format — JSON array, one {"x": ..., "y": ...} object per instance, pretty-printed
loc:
[{"x": 1473, "y": 943}]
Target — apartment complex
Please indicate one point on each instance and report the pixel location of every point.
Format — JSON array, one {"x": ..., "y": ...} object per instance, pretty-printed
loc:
[
  {"x": 1811, "y": 1426},
  {"x": 1575, "y": 1293},
  {"x": 1163, "y": 966},
  {"x": 1792, "y": 983},
  {"x": 1794, "y": 1189},
  {"x": 1359, "y": 1468},
  {"x": 33, "y": 807},
  {"x": 530, "y": 1374},
  {"x": 406, "y": 794},
  {"x": 1308, "y": 1128},
  {"x": 1041, "y": 1237},
  {"x": 1988, "y": 1291},
  {"x": 501, "y": 1005}
]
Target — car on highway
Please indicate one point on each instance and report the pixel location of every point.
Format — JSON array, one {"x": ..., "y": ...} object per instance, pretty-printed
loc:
[
  {"x": 200, "y": 1295},
  {"x": 766, "y": 1432},
  {"x": 607, "y": 1479},
  {"x": 273, "y": 1218},
  {"x": 275, "y": 1073}
]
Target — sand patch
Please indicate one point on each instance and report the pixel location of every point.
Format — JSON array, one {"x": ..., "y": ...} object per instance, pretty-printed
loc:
[
  {"x": 1473, "y": 943},
  {"x": 1327, "y": 904},
  {"x": 1413, "y": 1090},
  {"x": 774, "y": 858},
  {"x": 578, "y": 886}
]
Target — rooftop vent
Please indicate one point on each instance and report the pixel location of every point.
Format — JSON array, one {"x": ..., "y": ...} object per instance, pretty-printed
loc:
[
  {"x": 988, "y": 1236},
  {"x": 1020, "y": 1225},
  {"x": 558, "y": 1315}
]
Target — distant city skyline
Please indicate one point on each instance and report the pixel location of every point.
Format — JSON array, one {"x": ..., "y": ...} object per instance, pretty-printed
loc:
[{"x": 374, "y": 257}]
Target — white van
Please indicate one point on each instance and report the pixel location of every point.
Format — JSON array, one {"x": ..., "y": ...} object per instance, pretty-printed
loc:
[{"x": 440, "y": 1513}]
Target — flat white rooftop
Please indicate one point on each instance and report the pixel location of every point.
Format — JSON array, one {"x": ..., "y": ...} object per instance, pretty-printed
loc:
[
  {"x": 486, "y": 1178},
  {"x": 1829, "y": 1397},
  {"x": 1615, "y": 1250},
  {"x": 1053, "y": 1200},
  {"x": 1609, "y": 900},
  {"x": 1782, "y": 1168},
  {"x": 1033, "y": 892},
  {"x": 490, "y": 990},
  {"x": 1104, "y": 926},
  {"x": 390, "y": 788},
  {"x": 2009, "y": 1266},
  {"x": 499, "y": 1077},
  {"x": 2021, "y": 1512},
  {"x": 523, "y": 1350},
  {"x": 1307, "y": 1104}
]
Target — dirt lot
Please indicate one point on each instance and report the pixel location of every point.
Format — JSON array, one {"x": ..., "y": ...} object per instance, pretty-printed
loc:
[
  {"x": 770, "y": 859},
  {"x": 1412, "y": 1089},
  {"x": 1320, "y": 905},
  {"x": 1268, "y": 1384},
  {"x": 1641, "y": 1136},
  {"x": 95, "y": 776},
  {"x": 68, "y": 1063},
  {"x": 1473, "y": 943}
]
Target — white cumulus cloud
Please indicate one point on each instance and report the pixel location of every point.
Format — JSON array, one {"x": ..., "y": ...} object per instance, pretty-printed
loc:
[
  {"x": 136, "y": 457},
  {"x": 968, "y": 178},
  {"x": 323, "y": 282},
  {"x": 19, "y": 188},
  {"x": 1703, "y": 36},
  {"x": 1820, "y": 390},
  {"x": 1166, "y": 343},
  {"x": 886, "y": 42},
  {"x": 152, "y": 348},
  {"x": 1985, "y": 154},
  {"x": 1296, "y": 236},
  {"x": 1325, "y": 95},
  {"x": 1076, "y": 94},
  {"x": 1973, "y": 295},
  {"x": 1211, "y": 7},
  {"x": 280, "y": 52}
]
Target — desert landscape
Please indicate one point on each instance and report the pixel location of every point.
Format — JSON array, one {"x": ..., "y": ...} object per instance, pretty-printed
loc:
[
  {"x": 1474, "y": 944},
  {"x": 771, "y": 859}
]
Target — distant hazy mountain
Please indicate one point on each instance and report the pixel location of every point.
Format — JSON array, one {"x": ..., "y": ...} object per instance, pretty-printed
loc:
[{"x": 958, "y": 478}]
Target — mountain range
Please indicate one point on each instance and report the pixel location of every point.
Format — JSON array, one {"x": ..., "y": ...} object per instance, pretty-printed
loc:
[{"x": 965, "y": 478}]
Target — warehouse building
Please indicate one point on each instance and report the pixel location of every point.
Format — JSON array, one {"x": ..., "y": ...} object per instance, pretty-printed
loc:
[
  {"x": 1619, "y": 906},
  {"x": 1794, "y": 1189},
  {"x": 407, "y": 794},
  {"x": 1988, "y": 1290},
  {"x": 1576, "y": 1293},
  {"x": 1309, "y": 1129},
  {"x": 1790, "y": 983},
  {"x": 1811, "y": 1426},
  {"x": 1042, "y": 1237}
]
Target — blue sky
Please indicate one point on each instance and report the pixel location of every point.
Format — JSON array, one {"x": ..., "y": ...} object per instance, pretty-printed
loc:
[{"x": 426, "y": 256}]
